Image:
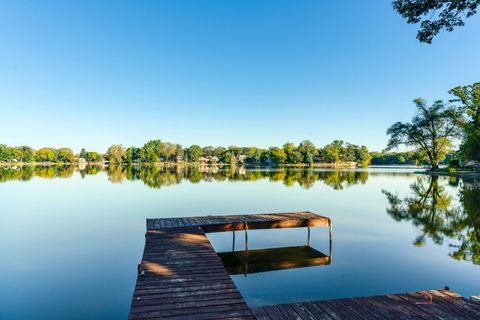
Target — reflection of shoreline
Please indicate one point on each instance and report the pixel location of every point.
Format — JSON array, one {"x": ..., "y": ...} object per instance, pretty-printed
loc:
[
  {"x": 156, "y": 177},
  {"x": 459, "y": 174}
]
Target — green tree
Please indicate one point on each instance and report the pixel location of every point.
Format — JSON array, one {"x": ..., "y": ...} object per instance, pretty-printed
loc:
[
  {"x": 83, "y": 153},
  {"x": 292, "y": 154},
  {"x": 362, "y": 156},
  {"x": 265, "y": 157},
  {"x": 430, "y": 131},
  {"x": 435, "y": 15},
  {"x": 179, "y": 154},
  {"x": 277, "y": 155},
  {"x": 253, "y": 155},
  {"x": 4, "y": 152},
  {"x": 219, "y": 151},
  {"x": 65, "y": 155},
  {"x": 308, "y": 150},
  {"x": 169, "y": 151},
  {"x": 116, "y": 154},
  {"x": 151, "y": 151},
  {"x": 28, "y": 153},
  {"x": 16, "y": 153},
  {"x": 45, "y": 155},
  {"x": 350, "y": 152},
  {"x": 467, "y": 99},
  {"x": 333, "y": 152},
  {"x": 92, "y": 156},
  {"x": 132, "y": 154},
  {"x": 194, "y": 153},
  {"x": 208, "y": 151},
  {"x": 228, "y": 157}
]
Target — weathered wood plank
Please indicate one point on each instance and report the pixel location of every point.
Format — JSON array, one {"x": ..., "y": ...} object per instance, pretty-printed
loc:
[
  {"x": 236, "y": 222},
  {"x": 180, "y": 276}
]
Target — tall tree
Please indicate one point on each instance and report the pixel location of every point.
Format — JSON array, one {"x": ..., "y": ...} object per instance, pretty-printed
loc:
[
  {"x": 277, "y": 155},
  {"x": 253, "y": 155},
  {"x": 92, "y": 156},
  {"x": 45, "y": 155},
  {"x": 169, "y": 151},
  {"x": 430, "y": 131},
  {"x": 27, "y": 153},
  {"x": 435, "y": 15},
  {"x": 467, "y": 99},
  {"x": 4, "y": 152},
  {"x": 132, "y": 154},
  {"x": 179, "y": 154},
  {"x": 291, "y": 152},
  {"x": 116, "y": 154},
  {"x": 362, "y": 156},
  {"x": 308, "y": 150},
  {"x": 194, "y": 153},
  {"x": 65, "y": 155},
  {"x": 151, "y": 151}
]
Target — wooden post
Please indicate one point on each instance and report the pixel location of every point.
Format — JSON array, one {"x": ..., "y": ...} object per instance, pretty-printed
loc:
[
  {"x": 308, "y": 238},
  {"x": 245, "y": 226},
  {"x": 330, "y": 227},
  {"x": 245, "y": 263},
  {"x": 233, "y": 241}
]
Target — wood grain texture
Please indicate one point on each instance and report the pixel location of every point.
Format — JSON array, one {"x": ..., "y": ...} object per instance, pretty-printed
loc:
[{"x": 445, "y": 305}]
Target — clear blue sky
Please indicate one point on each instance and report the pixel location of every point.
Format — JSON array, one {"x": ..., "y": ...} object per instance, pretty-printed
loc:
[{"x": 249, "y": 72}]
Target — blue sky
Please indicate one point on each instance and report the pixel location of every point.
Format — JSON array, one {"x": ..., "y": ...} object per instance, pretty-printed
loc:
[{"x": 250, "y": 72}]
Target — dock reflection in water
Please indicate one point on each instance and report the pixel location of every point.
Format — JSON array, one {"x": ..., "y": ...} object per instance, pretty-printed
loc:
[{"x": 272, "y": 259}]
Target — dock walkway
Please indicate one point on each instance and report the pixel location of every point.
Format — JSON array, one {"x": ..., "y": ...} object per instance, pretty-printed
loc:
[
  {"x": 411, "y": 306},
  {"x": 182, "y": 277}
]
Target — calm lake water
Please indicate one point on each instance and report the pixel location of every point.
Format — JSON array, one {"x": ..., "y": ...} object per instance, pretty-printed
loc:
[{"x": 70, "y": 239}]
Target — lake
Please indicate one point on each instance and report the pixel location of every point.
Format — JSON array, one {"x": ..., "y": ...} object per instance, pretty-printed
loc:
[{"x": 71, "y": 239}]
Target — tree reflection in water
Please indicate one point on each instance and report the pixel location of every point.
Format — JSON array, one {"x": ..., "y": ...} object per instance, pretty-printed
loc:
[
  {"x": 157, "y": 177},
  {"x": 432, "y": 209}
]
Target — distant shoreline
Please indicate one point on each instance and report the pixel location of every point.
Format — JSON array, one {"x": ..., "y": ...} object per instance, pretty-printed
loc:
[
  {"x": 339, "y": 165},
  {"x": 179, "y": 164}
]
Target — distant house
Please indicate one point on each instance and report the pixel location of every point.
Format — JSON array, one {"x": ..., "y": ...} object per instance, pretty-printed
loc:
[
  {"x": 203, "y": 159},
  {"x": 214, "y": 159},
  {"x": 82, "y": 160},
  {"x": 242, "y": 158}
]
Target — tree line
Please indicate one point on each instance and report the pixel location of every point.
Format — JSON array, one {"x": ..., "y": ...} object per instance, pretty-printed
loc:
[{"x": 159, "y": 151}]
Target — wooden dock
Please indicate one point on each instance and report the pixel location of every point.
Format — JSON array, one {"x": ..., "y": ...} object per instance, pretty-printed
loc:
[
  {"x": 430, "y": 305},
  {"x": 242, "y": 222},
  {"x": 182, "y": 277}
]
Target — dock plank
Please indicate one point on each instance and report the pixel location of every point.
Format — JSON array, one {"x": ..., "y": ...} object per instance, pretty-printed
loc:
[
  {"x": 237, "y": 222},
  {"x": 445, "y": 305},
  {"x": 180, "y": 276}
]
